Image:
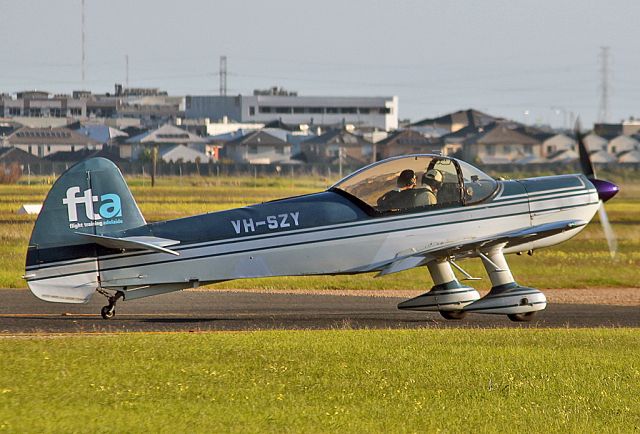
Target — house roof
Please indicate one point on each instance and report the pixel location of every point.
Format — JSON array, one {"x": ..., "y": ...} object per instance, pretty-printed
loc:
[
  {"x": 602, "y": 156},
  {"x": 507, "y": 133},
  {"x": 629, "y": 157},
  {"x": 563, "y": 156},
  {"x": 406, "y": 137},
  {"x": 167, "y": 134},
  {"x": 83, "y": 154},
  {"x": 624, "y": 143},
  {"x": 337, "y": 137},
  {"x": 101, "y": 133},
  {"x": 48, "y": 136},
  {"x": 184, "y": 153},
  {"x": 259, "y": 137},
  {"x": 594, "y": 142},
  {"x": 470, "y": 117},
  {"x": 560, "y": 140},
  {"x": 16, "y": 155}
]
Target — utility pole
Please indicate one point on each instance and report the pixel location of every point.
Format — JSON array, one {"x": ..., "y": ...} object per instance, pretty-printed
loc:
[
  {"x": 83, "y": 45},
  {"x": 223, "y": 75},
  {"x": 603, "y": 113},
  {"x": 126, "y": 59},
  {"x": 154, "y": 164}
]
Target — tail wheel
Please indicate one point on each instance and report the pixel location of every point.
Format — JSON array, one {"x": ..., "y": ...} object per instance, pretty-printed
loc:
[
  {"x": 522, "y": 317},
  {"x": 108, "y": 312},
  {"x": 453, "y": 314}
]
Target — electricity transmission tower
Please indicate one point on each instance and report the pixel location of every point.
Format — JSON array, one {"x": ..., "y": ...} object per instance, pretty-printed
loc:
[
  {"x": 603, "y": 112},
  {"x": 223, "y": 75}
]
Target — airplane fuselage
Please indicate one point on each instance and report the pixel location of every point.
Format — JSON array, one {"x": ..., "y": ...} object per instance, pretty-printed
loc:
[{"x": 321, "y": 233}]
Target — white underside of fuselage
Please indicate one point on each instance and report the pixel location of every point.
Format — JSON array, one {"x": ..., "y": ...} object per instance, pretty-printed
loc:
[{"x": 356, "y": 247}]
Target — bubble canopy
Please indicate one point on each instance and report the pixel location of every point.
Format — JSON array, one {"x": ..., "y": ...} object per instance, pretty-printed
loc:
[{"x": 460, "y": 183}]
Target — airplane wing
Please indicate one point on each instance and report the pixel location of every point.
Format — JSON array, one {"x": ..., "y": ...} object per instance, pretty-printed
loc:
[
  {"x": 155, "y": 244},
  {"x": 469, "y": 247}
]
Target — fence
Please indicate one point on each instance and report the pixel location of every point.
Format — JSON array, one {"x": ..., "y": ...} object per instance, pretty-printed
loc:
[{"x": 48, "y": 168}]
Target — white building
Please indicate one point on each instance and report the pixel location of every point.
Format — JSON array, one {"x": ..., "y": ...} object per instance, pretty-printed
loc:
[{"x": 380, "y": 112}]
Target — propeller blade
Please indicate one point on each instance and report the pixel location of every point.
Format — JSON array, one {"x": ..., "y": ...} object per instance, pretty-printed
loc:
[
  {"x": 585, "y": 161},
  {"x": 612, "y": 241}
]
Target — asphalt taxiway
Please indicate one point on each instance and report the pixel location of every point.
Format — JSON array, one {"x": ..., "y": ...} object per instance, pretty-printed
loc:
[{"x": 21, "y": 312}]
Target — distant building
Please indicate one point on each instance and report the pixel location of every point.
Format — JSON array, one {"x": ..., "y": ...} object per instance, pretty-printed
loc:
[
  {"x": 44, "y": 141},
  {"x": 456, "y": 121},
  {"x": 380, "y": 112},
  {"x": 16, "y": 155},
  {"x": 404, "y": 142},
  {"x": 612, "y": 130},
  {"x": 258, "y": 147},
  {"x": 181, "y": 153},
  {"x": 556, "y": 143},
  {"x": 150, "y": 105},
  {"x": 622, "y": 144},
  {"x": 501, "y": 142},
  {"x": 333, "y": 145},
  {"x": 165, "y": 138}
]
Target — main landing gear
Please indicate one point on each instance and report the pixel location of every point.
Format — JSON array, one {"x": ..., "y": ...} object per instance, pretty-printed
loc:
[
  {"x": 454, "y": 300},
  {"x": 109, "y": 311}
]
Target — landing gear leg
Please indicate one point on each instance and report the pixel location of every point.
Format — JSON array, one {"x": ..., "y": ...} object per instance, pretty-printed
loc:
[
  {"x": 448, "y": 296},
  {"x": 109, "y": 310}
]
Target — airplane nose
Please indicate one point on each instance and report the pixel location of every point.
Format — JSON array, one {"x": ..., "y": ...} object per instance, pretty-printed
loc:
[{"x": 606, "y": 190}]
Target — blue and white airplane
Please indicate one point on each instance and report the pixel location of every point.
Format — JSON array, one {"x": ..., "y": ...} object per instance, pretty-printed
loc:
[{"x": 90, "y": 236}]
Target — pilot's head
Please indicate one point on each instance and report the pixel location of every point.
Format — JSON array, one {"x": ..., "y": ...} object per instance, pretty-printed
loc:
[
  {"x": 406, "y": 179},
  {"x": 433, "y": 178}
]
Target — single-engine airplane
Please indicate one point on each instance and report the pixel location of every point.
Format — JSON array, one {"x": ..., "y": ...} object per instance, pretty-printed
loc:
[{"x": 91, "y": 237}]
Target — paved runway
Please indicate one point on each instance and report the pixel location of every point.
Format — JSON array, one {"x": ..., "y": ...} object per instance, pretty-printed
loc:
[{"x": 21, "y": 312}]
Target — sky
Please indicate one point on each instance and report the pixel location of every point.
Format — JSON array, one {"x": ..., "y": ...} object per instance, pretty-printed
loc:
[{"x": 537, "y": 62}]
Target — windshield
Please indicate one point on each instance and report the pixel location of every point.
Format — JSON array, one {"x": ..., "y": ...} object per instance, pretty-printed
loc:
[
  {"x": 416, "y": 182},
  {"x": 477, "y": 185},
  {"x": 401, "y": 183}
]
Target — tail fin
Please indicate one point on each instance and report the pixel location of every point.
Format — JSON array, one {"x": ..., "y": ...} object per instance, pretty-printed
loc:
[{"x": 92, "y": 198}]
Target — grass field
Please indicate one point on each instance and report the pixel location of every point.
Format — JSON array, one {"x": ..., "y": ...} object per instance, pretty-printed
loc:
[
  {"x": 514, "y": 380},
  {"x": 581, "y": 262}
]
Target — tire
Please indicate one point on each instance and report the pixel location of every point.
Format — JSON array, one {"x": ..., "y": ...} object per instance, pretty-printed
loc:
[
  {"x": 108, "y": 312},
  {"x": 453, "y": 314},
  {"x": 522, "y": 317}
]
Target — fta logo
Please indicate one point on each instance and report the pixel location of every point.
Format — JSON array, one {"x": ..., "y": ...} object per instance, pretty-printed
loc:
[{"x": 110, "y": 205}]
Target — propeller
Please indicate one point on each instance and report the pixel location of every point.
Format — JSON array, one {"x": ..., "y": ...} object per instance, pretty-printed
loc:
[{"x": 606, "y": 190}]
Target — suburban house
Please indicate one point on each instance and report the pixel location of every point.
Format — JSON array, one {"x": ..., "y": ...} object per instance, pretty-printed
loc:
[
  {"x": 622, "y": 144},
  {"x": 164, "y": 138},
  {"x": 499, "y": 143},
  {"x": 258, "y": 147},
  {"x": 44, "y": 141},
  {"x": 557, "y": 143},
  {"x": 335, "y": 145},
  {"x": 182, "y": 153},
  {"x": 456, "y": 121},
  {"x": 15, "y": 155},
  {"x": 101, "y": 133},
  {"x": 404, "y": 142}
]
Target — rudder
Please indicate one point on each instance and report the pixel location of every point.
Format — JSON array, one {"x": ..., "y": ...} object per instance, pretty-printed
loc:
[{"x": 91, "y": 197}]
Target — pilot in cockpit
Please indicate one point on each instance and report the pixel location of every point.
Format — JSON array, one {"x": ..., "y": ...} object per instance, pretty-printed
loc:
[
  {"x": 401, "y": 197},
  {"x": 428, "y": 193}
]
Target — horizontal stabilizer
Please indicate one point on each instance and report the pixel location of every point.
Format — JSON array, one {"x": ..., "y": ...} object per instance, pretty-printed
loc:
[{"x": 133, "y": 243}]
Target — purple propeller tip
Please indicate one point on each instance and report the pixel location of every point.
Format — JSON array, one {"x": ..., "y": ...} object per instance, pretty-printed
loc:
[{"x": 606, "y": 190}]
